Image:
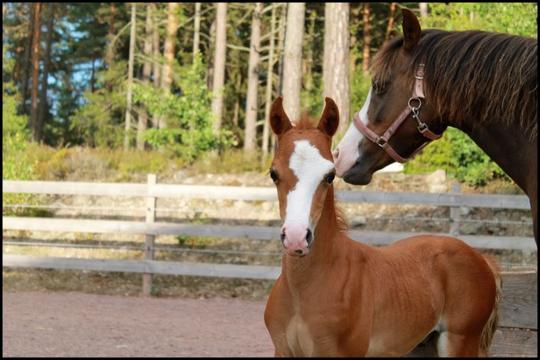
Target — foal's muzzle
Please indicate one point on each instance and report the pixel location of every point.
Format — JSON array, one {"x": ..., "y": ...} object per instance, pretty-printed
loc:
[{"x": 296, "y": 239}]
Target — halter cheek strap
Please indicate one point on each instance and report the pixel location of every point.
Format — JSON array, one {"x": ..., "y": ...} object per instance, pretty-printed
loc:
[{"x": 382, "y": 140}]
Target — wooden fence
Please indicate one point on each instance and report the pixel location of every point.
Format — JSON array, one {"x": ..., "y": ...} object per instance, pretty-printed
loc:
[{"x": 516, "y": 336}]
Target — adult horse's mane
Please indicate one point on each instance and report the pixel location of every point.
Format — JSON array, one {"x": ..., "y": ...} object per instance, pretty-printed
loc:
[{"x": 489, "y": 77}]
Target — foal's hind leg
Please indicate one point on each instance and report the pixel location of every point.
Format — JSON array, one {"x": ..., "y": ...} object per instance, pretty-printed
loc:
[{"x": 453, "y": 344}]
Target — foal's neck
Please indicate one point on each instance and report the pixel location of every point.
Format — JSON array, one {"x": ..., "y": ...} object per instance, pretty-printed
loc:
[{"x": 324, "y": 242}]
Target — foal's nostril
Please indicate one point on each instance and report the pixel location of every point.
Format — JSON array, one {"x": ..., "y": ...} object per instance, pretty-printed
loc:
[
  {"x": 309, "y": 237},
  {"x": 283, "y": 235},
  {"x": 299, "y": 251}
]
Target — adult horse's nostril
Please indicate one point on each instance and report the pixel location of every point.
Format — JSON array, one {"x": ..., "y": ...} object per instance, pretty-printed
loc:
[
  {"x": 282, "y": 235},
  {"x": 335, "y": 154},
  {"x": 299, "y": 251},
  {"x": 309, "y": 237}
]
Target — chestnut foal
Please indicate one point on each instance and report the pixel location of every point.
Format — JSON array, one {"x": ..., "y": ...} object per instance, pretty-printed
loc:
[{"x": 339, "y": 297}]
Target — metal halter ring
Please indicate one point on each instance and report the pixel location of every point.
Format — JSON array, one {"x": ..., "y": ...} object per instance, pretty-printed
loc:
[
  {"x": 381, "y": 141},
  {"x": 414, "y": 107}
]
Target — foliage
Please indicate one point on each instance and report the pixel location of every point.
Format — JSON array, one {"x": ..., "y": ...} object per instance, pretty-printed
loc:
[
  {"x": 99, "y": 121},
  {"x": 186, "y": 112},
  {"x": 459, "y": 156},
  {"x": 229, "y": 161},
  {"x": 311, "y": 98},
  {"x": 104, "y": 164},
  {"x": 15, "y": 137},
  {"x": 512, "y": 18}
]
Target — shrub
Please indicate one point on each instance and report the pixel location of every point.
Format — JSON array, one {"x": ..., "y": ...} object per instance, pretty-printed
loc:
[
  {"x": 459, "y": 156},
  {"x": 187, "y": 112}
]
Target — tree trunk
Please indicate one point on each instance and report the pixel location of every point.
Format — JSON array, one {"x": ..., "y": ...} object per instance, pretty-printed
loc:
[
  {"x": 34, "y": 120},
  {"x": 43, "y": 104},
  {"x": 93, "y": 76},
  {"x": 210, "y": 56},
  {"x": 147, "y": 71},
  {"x": 168, "y": 52},
  {"x": 219, "y": 65},
  {"x": 26, "y": 63},
  {"x": 109, "y": 56},
  {"x": 109, "y": 52},
  {"x": 390, "y": 26},
  {"x": 269, "y": 78},
  {"x": 292, "y": 67},
  {"x": 250, "y": 138},
  {"x": 423, "y": 10},
  {"x": 280, "y": 47},
  {"x": 156, "y": 71},
  {"x": 336, "y": 59},
  {"x": 280, "y": 54},
  {"x": 197, "y": 29},
  {"x": 307, "y": 64},
  {"x": 130, "y": 75},
  {"x": 367, "y": 39}
]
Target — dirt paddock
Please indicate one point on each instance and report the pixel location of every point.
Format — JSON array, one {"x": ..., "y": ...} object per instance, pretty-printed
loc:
[
  {"x": 62, "y": 324},
  {"x": 66, "y": 324}
]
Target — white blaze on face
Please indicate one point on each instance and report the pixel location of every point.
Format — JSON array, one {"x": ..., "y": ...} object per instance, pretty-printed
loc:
[
  {"x": 309, "y": 166},
  {"x": 347, "y": 149}
]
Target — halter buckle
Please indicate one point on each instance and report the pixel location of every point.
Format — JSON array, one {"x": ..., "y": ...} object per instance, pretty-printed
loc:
[{"x": 419, "y": 72}]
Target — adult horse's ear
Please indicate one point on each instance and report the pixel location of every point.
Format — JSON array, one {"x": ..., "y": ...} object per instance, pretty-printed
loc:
[
  {"x": 278, "y": 118},
  {"x": 329, "y": 121},
  {"x": 411, "y": 29}
]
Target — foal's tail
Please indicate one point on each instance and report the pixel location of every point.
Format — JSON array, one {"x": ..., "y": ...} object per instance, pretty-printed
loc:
[{"x": 491, "y": 324}]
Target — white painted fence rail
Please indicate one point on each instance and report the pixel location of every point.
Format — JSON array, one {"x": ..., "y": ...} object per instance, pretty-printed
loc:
[
  {"x": 259, "y": 193},
  {"x": 150, "y": 228}
]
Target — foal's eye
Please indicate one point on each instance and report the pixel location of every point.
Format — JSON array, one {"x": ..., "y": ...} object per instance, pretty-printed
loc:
[
  {"x": 274, "y": 175},
  {"x": 330, "y": 177}
]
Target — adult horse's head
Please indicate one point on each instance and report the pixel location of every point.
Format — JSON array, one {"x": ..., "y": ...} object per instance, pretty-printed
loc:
[
  {"x": 396, "y": 120},
  {"x": 303, "y": 171}
]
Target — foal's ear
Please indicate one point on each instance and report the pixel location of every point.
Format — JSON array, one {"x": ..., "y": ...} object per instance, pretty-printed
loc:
[
  {"x": 278, "y": 119},
  {"x": 411, "y": 29},
  {"x": 329, "y": 121}
]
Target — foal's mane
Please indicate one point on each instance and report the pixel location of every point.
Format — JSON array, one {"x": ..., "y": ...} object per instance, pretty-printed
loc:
[{"x": 490, "y": 77}]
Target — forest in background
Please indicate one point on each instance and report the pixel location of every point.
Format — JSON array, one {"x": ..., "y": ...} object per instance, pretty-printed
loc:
[{"x": 160, "y": 81}]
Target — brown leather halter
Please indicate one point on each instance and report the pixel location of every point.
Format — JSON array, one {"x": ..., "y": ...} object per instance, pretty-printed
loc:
[{"x": 382, "y": 140}]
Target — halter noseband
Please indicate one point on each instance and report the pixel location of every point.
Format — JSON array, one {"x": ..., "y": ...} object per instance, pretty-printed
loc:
[{"x": 382, "y": 140}]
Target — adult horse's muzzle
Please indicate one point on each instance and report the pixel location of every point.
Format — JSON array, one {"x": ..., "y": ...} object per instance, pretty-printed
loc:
[{"x": 358, "y": 174}]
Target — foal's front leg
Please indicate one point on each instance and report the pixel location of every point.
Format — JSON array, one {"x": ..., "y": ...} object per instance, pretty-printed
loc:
[{"x": 458, "y": 345}]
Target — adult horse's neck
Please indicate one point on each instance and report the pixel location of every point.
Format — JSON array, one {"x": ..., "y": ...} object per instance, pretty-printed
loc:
[
  {"x": 298, "y": 269},
  {"x": 512, "y": 150}
]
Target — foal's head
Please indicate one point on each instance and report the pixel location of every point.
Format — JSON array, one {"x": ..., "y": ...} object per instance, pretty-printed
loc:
[{"x": 303, "y": 171}]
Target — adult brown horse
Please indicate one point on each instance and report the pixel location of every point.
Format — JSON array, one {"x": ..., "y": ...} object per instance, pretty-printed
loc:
[
  {"x": 338, "y": 297},
  {"x": 482, "y": 83}
]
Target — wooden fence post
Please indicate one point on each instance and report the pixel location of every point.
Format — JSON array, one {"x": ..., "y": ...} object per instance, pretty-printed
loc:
[
  {"x": 149, "y": 239},
  {"x": 455, "y": 213}
]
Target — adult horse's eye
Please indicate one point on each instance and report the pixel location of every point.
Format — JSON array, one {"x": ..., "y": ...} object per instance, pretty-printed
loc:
[
  {"x": 274, "y": 175},
  {"x": 330, "y": 177},
  {"x": 379, "y": 87}
]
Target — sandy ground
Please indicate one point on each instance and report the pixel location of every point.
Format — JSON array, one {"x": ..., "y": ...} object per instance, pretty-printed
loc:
[{"x": 77, "y": 324}]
